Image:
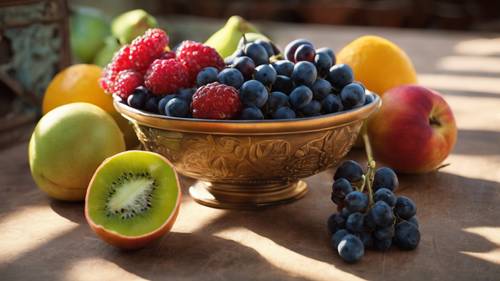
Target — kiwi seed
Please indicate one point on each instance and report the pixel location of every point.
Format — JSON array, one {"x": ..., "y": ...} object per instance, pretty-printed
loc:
[{"x": 130, "y": 195}]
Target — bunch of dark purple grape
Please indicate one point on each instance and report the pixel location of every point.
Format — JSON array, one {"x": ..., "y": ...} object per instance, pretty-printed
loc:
[
  {"x": 370, "y": 215},
  {"x": 301, "y": 82}
]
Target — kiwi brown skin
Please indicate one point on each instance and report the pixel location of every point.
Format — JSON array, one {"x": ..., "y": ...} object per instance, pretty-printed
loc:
[{"x": 133, "y": 242}]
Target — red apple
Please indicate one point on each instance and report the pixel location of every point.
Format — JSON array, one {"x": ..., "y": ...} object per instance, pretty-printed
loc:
[{"x": 414, "y": 131}]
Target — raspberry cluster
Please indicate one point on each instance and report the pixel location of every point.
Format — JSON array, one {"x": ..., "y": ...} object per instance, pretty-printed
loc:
[{"x": 148, "y": 62}]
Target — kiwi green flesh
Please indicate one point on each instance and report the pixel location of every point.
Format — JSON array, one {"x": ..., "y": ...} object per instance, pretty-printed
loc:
[{"x": 133, "y": 194}]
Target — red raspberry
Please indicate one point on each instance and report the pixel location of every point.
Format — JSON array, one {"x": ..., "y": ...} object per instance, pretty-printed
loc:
[
  {"x": 148, "y": 47},
  {"x": 166, "y": 77},
  {"x": 216, "y": 101},
  {"x": 196, "y": 56},
  {"x": 126, "y": 82},
  {"x": 119, "y": 62}
]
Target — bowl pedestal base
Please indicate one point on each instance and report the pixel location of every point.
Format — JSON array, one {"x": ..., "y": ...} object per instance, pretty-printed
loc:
[{"x": 226, "y": 196}]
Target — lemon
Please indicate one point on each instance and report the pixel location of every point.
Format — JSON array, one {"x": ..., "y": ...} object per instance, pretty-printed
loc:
[
  {"x": 378, "y": 63},
  {"x": 80, "y": 83}
]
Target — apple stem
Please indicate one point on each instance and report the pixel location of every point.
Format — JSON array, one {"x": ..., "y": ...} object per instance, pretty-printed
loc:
[{"x": 372, "y": 165}]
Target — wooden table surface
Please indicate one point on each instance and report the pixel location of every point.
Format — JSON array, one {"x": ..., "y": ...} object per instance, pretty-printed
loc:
[{"x": 458, "y": 207}]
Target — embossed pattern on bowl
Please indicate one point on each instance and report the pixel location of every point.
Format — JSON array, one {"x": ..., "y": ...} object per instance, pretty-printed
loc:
[{"x": 245, "y": 164}]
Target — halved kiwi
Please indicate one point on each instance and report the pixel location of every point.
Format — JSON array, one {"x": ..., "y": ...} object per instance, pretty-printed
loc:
[{"x": 132, "y": 199}]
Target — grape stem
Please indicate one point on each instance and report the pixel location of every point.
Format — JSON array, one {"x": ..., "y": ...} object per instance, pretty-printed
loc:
[{"x": 372, "y": 165}]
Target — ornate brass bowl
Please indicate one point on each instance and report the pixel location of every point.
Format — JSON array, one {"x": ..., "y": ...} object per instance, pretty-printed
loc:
[{"x": 247, "y": 164}]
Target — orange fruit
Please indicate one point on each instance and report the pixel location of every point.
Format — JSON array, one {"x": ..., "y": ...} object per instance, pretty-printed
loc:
[
  {"x": 80, "y": 83},
  {"x": 378, "y": 63},
  {"x": 77, "y": 83}
]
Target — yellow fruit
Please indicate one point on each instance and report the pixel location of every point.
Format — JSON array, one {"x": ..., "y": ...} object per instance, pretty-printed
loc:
[
  {"x": 378, "y": 63},
  {"x": 80, "y": 83}
]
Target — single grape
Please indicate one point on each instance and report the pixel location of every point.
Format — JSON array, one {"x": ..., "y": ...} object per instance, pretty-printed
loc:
[
  {"x": 354, "y": 222},
  {"x": 283, "y": 84},
  {"x": 163, "y": 102},
  {"x": 384, "y": 194},
  {"x": 186, "y": 94},
  {"x": 349, "y": 170},
  {"x": 267, "y": 46},
  {"x": 405, "y": 208},
  {"x": 245, "y": 65},
  {"x": 206, "y": 76},
  {"x": 352, "y": 96},
  {"x": 231, "y": 77},
  {"x": 340, "y": 188},
  {"x": 385, "y": 178},
  {"x": 327, "y": 51},
  {"x": 369, "y": 98},
  {"x": 407, "y": 236},
  {"x": 304, "y": 73},
  {"x": 253, "y": 93},
  {"x": 266, "y": 74},
  {"x": 283, "y": 67},
  {"x": 137, "y": 100},
  {"x": 177, "y": 107},
  {"x": 331, "y": 104},
  {"x": 413, "y": 220},
  {"x": 292, "y": 47},
  {"x": 351, "y": 248},
  {"x": 323, "y": 63},
  {"x": 151, "y": 104},
  {"x": 257, "y": 53},
  {"x": 284, "y": 112},
  {"x": 277, "y": 99},
  {"x": 300, "y": 97},
  {"x": 305, "y": 53},
  {"x": 251, "y": 113},
  {"x": 345, "y": 212},
  {"x": 356, "y": 201},
  {"x": 321, "y": 88},
  {"x": 340, "y": 75},
  {"x": 382, "y": 214},
  {"x": 311, "y": 109},
  {"x": 337, "y": 236},
  {"x": 335, "y": 222},
  {"x": 384, "y": 232}
]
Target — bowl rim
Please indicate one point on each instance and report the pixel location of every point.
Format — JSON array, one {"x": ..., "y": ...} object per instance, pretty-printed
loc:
[{"x": 260, "y": 127}]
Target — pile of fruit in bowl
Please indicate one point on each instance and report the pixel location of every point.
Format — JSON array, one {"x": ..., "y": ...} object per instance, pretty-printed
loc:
[{"x": 257, "y": 82}]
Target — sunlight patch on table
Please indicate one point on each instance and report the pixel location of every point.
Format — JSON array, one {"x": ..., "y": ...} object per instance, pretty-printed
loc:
[
  {"x": 460, "y": 83},
  {"x": 473, "y": 166},
  {"x": 490, "y": 234},
  {"x": 98, "y": 269},
  {"x": 26, "y": 229},
  {"x": 204, "y": 216},
  {"x": 469, "y": 64},
  {"x": 294, "y": 263},
  {"x": 484, "y": 47}
]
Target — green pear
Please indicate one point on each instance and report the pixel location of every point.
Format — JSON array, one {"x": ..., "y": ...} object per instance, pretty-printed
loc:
[
  {"x": 105, "y": 54},
  {"x": 131, "y": 24},
  {"x": 226, "y": 39},
  {"x": 88, "y": 29}
]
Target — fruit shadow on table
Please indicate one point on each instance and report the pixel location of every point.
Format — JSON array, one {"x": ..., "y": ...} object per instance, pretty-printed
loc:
[{"x": 477, "y": 142}]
